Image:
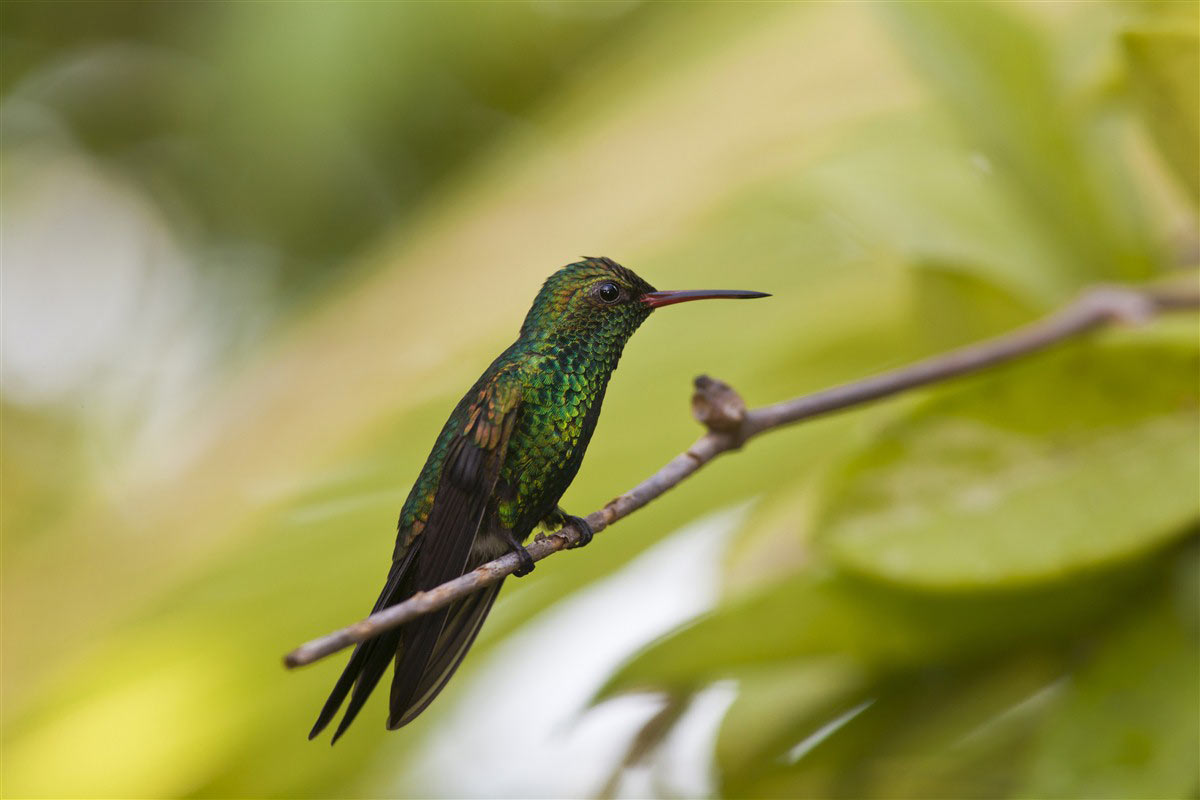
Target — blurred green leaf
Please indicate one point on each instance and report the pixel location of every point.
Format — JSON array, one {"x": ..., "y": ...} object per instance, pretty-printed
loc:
[
  {"x": 967, "y": 304},
  {"x": 1164, "y": 65},
  {"x": 1072, "y": 420},
  {"x": 775, "y": 708},
  {"x": 820, "y": 613},
  {"x": 907, "y": 184},
  {"x": 1057, "y": 465},
  {"x": 1127, "y": 725},
  {"x": 932, "y": 733},
  {"x": 1001, "y": 79}
]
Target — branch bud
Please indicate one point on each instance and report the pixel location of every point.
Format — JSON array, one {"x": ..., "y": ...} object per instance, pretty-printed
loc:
[{"x": 716, "y": 406}]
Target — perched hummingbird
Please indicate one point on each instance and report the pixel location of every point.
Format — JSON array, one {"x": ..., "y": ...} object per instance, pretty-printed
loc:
[{"x": 510, "y": 449}]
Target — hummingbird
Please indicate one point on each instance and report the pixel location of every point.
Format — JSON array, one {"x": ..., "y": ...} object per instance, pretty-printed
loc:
[{"x": 509, "y": 450}]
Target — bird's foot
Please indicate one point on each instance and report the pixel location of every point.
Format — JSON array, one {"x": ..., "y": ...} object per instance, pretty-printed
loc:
[
  {"x": 527, "y": 564},
  {"x": 580, "y": 524}
]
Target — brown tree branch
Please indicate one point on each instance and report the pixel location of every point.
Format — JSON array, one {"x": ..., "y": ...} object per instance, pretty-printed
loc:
[{"x": 730, "y": 425}]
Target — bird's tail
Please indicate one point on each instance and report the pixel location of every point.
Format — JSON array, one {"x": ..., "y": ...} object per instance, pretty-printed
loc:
[
  {"x": 368, "y": 662},
  {"x": 427, "y": 651},
  {"x": 431, "y": 650}
]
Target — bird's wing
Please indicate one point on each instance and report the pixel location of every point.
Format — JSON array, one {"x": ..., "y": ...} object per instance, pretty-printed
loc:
[
  {"x": 468, "y": 477},
  {"x": 432, "y": 647}
]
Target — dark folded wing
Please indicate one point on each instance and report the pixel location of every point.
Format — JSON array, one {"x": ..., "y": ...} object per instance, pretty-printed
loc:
[{"x": 431, "y": 647}]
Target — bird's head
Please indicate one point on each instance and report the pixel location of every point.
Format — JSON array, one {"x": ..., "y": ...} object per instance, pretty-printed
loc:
[{"x": 599, "y": 299}]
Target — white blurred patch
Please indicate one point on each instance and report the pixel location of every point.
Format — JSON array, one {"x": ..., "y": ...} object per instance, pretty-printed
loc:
[
  {"x": 684, "y": 766},
  {"x": 105, "y": 314},
  {"x": 92, "y": 276},
  {"x": 522, "y": 728}
]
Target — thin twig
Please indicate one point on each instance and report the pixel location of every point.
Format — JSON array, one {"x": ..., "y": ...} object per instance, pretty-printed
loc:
[{"x": 730, "y": 425}]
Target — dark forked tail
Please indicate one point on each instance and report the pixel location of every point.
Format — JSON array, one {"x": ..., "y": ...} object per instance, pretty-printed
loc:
[
  {"x": 367, "y": 663},
  {"x": 427, "y": 652},
  {"x": 424, "y": 667}
]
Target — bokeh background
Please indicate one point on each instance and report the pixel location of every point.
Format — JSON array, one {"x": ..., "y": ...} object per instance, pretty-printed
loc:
[{"x": 254, "y": 252}]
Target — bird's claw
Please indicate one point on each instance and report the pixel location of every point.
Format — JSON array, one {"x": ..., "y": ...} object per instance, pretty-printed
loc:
[
  {"x": 585, "y": 530},
  {"x": 527, "y": 564}
]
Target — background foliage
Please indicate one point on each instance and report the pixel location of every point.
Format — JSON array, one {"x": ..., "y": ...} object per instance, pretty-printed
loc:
[{"x": 254, "y": 252}]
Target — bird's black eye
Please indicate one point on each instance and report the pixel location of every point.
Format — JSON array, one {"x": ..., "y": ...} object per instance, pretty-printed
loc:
[{"x": 609, "y": 292}]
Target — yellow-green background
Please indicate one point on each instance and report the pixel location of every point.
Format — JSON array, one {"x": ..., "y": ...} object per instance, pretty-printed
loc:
[{"x": 253, "y": 252}]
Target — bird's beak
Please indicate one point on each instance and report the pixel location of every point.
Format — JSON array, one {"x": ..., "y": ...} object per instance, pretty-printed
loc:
[{"x": 659, "y": 299}]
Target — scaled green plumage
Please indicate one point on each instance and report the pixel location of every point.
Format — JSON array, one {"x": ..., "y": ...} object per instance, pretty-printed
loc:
[{"x": 560, "y": 366}]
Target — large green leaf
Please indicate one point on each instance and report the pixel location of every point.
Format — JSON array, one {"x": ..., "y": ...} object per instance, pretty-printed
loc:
[{"x": 1078, "y": 459}]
